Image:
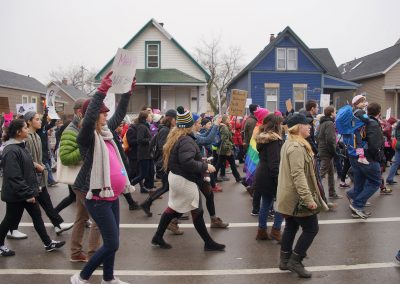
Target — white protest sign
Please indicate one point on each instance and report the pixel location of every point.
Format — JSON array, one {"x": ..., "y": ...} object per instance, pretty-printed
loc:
[
  {"x": 24, "y": 108},
  {"x": 124, "y": 69},
  {"x": 325, "y": 100},
  {"x": 109, "y": 101},
  {"x": 51, "y": 101},
  {"x": 388, "y": 112},
  {"x": 249, "y": 102}
]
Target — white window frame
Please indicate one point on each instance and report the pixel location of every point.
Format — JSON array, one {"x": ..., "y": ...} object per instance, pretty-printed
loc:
[
  {"x": 285, "y": 52},
  {"x": 271, "y": 97},
  {"x": 34, "y": 100},
  {"x": 277, "y": 58},
  {"x": 25, "y": 99},
  {"x": 304, "y": 88},
  {"x": 148, "y": 44},
  {"x": 288, "y": 59}
]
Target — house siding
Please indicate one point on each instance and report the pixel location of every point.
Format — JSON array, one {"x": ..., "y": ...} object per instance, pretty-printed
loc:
[
  {"x": 392, "y": 77},
  {"x": 286, "y": 81},
  {"x": 374, "y": 89},
  {"x": 389, "y": 103},
  {"x": 15, "y": 97},
  {"x": 332, "y": 82}
]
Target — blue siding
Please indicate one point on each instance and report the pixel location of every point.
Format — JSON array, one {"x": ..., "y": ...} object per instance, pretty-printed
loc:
[
  {"x": 286, "y": 81},
  {"x": 241, "y": 83},
  {"x": 305, "y": 64},
  {"x": 332, "y": 82},
  {"x": 268, "y": 63}
]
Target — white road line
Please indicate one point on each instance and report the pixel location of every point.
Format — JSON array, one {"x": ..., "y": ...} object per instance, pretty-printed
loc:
[
  {"x": 245, "y": 225},
  {"x": 199, "y": 272}
]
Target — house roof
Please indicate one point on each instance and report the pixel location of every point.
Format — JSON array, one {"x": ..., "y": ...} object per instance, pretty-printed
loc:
[
  {"x": 372, "y": 65},
  {"x": 326, "y": 58},
  {"x": 167, "y": 35},
  {"x": 271, "y": 46},
  {"x": 70, "y": 90},
  {"x": 21, "y": 82},
  {"x": 165, "y": 76}
]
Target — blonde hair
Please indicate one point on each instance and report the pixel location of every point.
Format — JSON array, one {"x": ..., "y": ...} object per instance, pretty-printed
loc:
[
  {"x": 294, "y": 136},
  {"x": 172, "y": 138}
]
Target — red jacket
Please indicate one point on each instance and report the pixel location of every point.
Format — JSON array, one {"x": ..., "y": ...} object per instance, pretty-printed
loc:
[{"x": 236, "y": 127}]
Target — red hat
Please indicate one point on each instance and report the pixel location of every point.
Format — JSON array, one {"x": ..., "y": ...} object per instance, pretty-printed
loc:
[{"x": 103, "y": 107}]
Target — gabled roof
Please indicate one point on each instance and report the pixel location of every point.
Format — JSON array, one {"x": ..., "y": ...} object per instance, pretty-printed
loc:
[
  {"x": 271, "y": 46},
  {"x": 326, "y": 58},
  {"x": 167, "y": 35},
  {"x": 70, "y": 90},
  {"x": 165, "y": 76},
  {"x": 20, "y": 82},
  {"x": 375, "y": 64}
]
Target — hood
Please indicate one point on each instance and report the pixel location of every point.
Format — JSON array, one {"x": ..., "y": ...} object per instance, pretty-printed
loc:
[
  {"x": 12, "y": 141},
  {"x": 325, "y": 119},
  {"x": 267, "y": 137}
]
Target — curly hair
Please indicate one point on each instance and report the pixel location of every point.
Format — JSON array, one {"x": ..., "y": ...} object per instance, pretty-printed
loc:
[{"x": 174, "y": 135}]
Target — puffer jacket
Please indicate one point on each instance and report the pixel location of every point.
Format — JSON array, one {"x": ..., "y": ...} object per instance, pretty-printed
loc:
[
  {"x": 69, "y": 148},
  {"x": 326, "y": 138}
]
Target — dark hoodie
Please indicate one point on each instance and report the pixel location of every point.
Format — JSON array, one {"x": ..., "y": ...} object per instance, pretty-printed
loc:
[
  {"x": 311, "y": 138},
  {"x": 326, "y": 138}
]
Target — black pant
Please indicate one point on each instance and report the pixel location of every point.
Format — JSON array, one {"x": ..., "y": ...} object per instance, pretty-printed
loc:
[
  {"x": 310, "y": 229},
  {"x": 256, "y": 200},
  {"x": 47, "y": 205},
  {"x": 13, "y": 216},
  {"x": 67, "y": 201},
  {"x": 221, "y": 164},
  {"x": 145, "y": 172},
  {"x": 345, "y": 169}
]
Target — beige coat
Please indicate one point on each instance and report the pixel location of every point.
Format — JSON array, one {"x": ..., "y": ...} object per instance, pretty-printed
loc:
[{"x": 296, "y": 182}]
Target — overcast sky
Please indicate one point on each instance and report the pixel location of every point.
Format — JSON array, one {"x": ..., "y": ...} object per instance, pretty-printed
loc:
[{"x": 39, "y": 36}]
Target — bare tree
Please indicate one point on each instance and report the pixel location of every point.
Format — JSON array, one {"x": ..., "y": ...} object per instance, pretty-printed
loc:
[
  {"x": 222, "y": 65},
  {"x": 77, "y": 76}
]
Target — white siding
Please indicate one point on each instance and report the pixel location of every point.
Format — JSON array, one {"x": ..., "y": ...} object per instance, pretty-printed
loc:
[{"x": 167, "y": 95}]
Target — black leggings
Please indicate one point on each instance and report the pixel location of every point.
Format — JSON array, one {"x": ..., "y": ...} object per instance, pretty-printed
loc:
[
  {"x": 310, "y": 229},
  {"x": 222, "y": 162},
  {"x": 67, "y": 201}
]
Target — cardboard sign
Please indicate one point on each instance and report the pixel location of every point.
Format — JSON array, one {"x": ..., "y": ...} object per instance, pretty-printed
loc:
[
  {"x": 124, "y": 70},
  {"x": 109, "y": 101},
  {"x": 289, "y": 105},
  {"x": 249, "y": 102},
  {"x": 388, "y": 112},
  {"x": 24, "y": 108},
  {"x": 325, "y": 100},
  {"x": 51, "y": 101},
  {"x": 238, "y": 102}
]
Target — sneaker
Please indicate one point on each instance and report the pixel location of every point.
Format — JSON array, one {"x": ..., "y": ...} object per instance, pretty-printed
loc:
[
  {"x": 367, "y": 204},
  {"x": 174, "y": 228},
  {"x": 217, "y": 222},
  {"x": 76, "y": 279},
  {"x": 355, "y": 216},
  {"x": 254, "y": 213},
  {"x": 397, "y": 258},
  {"x": 358, "y": 212},
  {"x": 344, "y": 185},
  {"x": 54, "y": 245},
  {"x": 81, "y": 257},
  {"x": 335, "y": 196},
  {"x": 386, "y": 191},
  {"x": 5, "y": 251},
  {"x": 16, "y": 235},
  {"x": 63, "y": 227},
  {"x": 116, "y": 280},
  {"x": 391, "y": 182}
]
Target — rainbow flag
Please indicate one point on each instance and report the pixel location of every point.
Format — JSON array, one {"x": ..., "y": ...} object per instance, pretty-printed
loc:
[{"x": 252, "y": 157}]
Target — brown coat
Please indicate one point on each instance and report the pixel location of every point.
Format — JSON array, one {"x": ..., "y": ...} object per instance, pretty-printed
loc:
[{"x": 296, "y": 182}]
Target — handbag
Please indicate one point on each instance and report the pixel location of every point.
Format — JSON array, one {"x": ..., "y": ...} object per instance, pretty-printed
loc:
[{"x": 66, "y": 174}]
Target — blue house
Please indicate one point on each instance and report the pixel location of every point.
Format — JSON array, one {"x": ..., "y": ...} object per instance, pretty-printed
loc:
[{"x": 287, "y": 69}]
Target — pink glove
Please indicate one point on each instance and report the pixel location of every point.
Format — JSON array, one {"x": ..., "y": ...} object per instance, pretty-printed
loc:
[
  {"x": 133, "y": 86},
  {"x": 106, "y": 84}
]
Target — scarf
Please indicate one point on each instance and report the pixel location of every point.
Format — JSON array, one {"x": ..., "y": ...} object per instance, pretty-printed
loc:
[{"x": 100, "y": 174}]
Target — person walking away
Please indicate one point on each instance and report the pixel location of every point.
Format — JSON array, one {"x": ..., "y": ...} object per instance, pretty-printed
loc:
[
  {"x": 249, "y": 126},
  {"x": 298, "y": 196},
  {"x": 395, "y": 165}
]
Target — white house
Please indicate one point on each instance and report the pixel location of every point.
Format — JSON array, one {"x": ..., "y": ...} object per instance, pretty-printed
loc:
[{"x": 167, "y": 75}]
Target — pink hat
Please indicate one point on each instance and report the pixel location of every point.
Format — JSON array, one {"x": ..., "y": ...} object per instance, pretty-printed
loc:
[
  {"x": 260, "y": 113},
  {"x": 358, "y": 99},
  {"x": 156, "y": 111},
  {"x": 278, "y": 113}
]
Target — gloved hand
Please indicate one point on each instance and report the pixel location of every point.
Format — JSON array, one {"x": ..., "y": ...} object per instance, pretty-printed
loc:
[
  {"x": 106, "y": 84},
  {"x": 133, "y": 86}
]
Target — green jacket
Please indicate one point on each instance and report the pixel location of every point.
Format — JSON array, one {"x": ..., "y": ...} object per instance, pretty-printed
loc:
[
  {"x": 226, "y": 146},
  {"x": 69, "y": 149}
]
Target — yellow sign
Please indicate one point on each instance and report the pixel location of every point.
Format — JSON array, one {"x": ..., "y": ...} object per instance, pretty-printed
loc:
[{"x": 238, "y": 102}]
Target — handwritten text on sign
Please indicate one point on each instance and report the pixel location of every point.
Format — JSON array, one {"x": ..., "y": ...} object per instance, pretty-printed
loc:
[
  {"x": 124, "y": 69},
  {"x": 238, "y": 102}
]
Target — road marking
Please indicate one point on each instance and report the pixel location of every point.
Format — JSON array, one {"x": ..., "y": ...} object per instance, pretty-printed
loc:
[
  {"x": 245, "y": 225},
  {"x": 199, "y": 272}
]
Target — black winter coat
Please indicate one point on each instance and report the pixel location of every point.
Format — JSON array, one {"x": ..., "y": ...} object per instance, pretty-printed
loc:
[
  {"x": 44, "y": 137},
  {"x": 311, "y": 138},
  {"x": 143, "y": 135},
  {"x": 266, "y": 177},
  {"x": 158, "y": 142},
  {"x": 326, "y": 138},
  {"x": 186, "y": 160},
  {"x": 19, "y": 176},
  {"x": 131, "y": 137},
  {"x": 375, "y": 141}
]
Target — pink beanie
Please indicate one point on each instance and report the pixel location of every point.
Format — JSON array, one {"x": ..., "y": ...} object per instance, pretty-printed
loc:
[
  {"x": 278, "y": 113},
  {"x": 260, "y": 113}
]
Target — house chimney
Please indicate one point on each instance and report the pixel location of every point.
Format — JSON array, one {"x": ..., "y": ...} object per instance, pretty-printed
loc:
[
  {"x": 271, "y": 38},
  {"x": 161, "y": 24},
  {"x": 65, "y": 81}
]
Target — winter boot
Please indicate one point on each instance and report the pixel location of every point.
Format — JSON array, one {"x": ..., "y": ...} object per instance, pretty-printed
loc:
[
  {"x": 295, "y": 265},
  {"x": 217, "y": 222},
  {"x": 146, "y": 206},
  {"x": 285, "y": 256},
  {"x": 200, "y": 226},
  {"x": 262, "y": 235},
  {"x": 158, "y": 239},
  {"x": 276, "y": 235},
  {"x": 174, "y": 227}
]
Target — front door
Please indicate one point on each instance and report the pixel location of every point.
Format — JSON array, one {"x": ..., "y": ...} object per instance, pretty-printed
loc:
[{"x": 155, "y": 93}]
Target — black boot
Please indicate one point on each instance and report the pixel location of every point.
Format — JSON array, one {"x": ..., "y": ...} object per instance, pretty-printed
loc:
[
  {"x": 283, "y": 264},
  {"x": 295, "y": 265},
  {"x": 158, "y": 239},
  {"x": 209, "y": 243},
  {"x": 132, "y": 203},
  {"x": 146, "y": 206}
]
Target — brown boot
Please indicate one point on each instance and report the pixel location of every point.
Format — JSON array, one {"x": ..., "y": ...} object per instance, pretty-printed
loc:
[
  {"x": 276, "y": 235},
  {"x": 262, "y": 235},
  {"x": 174, "y": 228},
  {"x": 217, "y": 222}
]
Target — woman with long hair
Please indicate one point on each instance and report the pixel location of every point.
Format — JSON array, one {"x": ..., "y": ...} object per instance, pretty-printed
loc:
[
  {"x": 20, "y": 188},
  {"x": 298, "y": 196},
  {"x": 183, "y": 160},
  {"x": 269, "y": 144}
]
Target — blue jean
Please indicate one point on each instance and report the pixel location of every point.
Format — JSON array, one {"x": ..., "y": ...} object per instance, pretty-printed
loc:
[
  {"x": 266, "y": 204},
  {"x": 50, "y": 178},
  {"x": 394, "y": 167},
  {"x": 367, "y": 180},
  {"x": 106, "y": 216}
]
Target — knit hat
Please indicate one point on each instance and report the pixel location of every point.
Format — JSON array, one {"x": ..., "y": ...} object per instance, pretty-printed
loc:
[
  {"x": 204, "y": 121},
  {"x": 253, "y": 108},
  {"x": 358, "y": 99},
  {"x": 85, "y": 105},
  {"x": 79, "y": 103},
  {"x": 29, "y": 115},
  {"x": 278, "y": 113},
  {"x": 297, "y": 119},
  {"x": 184, "y": 118},
  {"x": 261, "y": 113},
  {"x": 196, "y": 117},
  {"x": 171, "y": 113}
]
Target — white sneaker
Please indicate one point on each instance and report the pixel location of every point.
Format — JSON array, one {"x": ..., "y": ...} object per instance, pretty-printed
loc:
[
  {"x": 116, "y": 280},
  {"x": 63, "y": 227},
  {"x": 76, "y": 279},
  {"x": 16, "y": 235}
]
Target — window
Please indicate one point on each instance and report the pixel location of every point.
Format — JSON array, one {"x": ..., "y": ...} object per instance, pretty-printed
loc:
[
  {"x": 299, "y": 95},
  {"x": 25, "y": 99},
  {"x": 271, "y": 96},
  {"x": 34, "y": 100},
  {"x": 153, "y": 55},
  {"x": 286, "y": 59}
]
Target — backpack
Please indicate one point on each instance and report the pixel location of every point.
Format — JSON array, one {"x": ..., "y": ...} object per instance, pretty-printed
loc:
[{"x": 346, "y": 122}]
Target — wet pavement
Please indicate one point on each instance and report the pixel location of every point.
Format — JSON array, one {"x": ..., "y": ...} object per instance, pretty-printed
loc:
[{"x": 345, "y": 250}]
